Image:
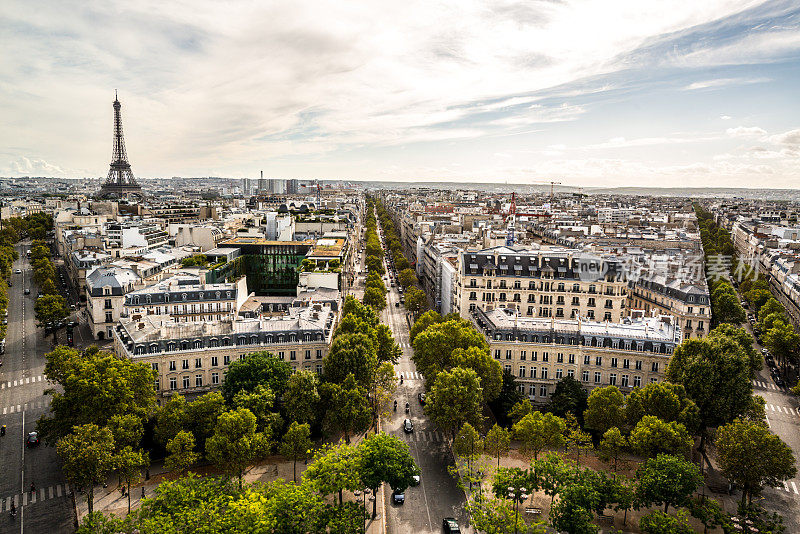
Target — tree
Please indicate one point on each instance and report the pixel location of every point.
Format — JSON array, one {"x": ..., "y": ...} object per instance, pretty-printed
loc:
[
  {"x": 497, "y": 442},
  {"x": 50, "y": 310},
  {"x": 425, "y": 320},
  {"x": 612, "y": 446},
  {"x": 181, "y": 453},
  {"x": 770, "y": 306},
  {"x": 575, "y": 438},
  {"x": 521, "y": 409},
  {"x": 569, "y": 397},
  {"x": 666, "y": 480},
  {"x": 758, "y": 297},
  {"x": 336, "y": 467},
  {"x": 348, "y": 410},
  {"x": 415, "y": 300},
  {"x": 407, "y": 278},
  {"x": 658, "y": 522},
  {"x": 351, "y": 354},
  {"x": 538, "y": 431},
  {"x": 296, "y": 444},
  {"x": 130, "y": 463},
  {"x": 302, "y": 398},
  {"x": 752, "y": 457},
  {"x": 375, "y": 298},
  {"x": 380, "y": 388},
  {"x": 385, "y": 458},
  {"x": 728, "y": 310},
  {"x": 664, "y": 400},
  {"x": 783, "y": 342},
  {"x": 455, "y": 399},
  {"x": 551, "y": 474},
  {"x": 509, "y": 396},
  {"x": 387, "y": 350},
  {"x": 202, "y": 416},
  {"x": 605, "y": 409},
  {"x": 88, "y": 456},
  {"x": 468, "y": 444},
  {"x": 127, "y": 430},
  {"x": 254, "y": 369},
  {"x": 364, "y": 313},
  {"x": 260, "y": 402},
  {"x": 170, "y": 419},
  {"x": 434, "y": 346},
  {"x": 235, "y": 443},
  {"x": 95, "y": 386},
  {"x": 487, "y": 368},
  {"x": 498, "y": 516},
  {"x": 573, "y": 511},
  {"x": 745, "y": 341},
  {"x": 652, "y": 436}
]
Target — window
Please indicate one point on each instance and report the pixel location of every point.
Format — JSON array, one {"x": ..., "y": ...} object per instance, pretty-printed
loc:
[
  {"x": 597, "y": 378},
  {"x": 522, "y": 372},
  {"x": 185, "y": 364},
  {"x": 626, "y": 363},
  {"x": 109, "y": 317},
  {"x": 624, "y": 381},
  {"x": 533, "y": 372},
  {"x": 545, "y": 356},
  {"x": 560, "y": 358},
  {"x": 522, "y": 355},
  {"x": 172, "y": 365},
  {"x": 226, "y": 360},
  {"x": 543, "y": 391},
  {"x": 198, "y": 381},
  {"x": 107, "y": 304},
  {"x": 173, "y": 383},
  {"x": 571, "y": 373},
  {"x": 508, "y": 355},
  {"x": 654, "y": 367},
  {"x": 214, "y": 361},
  {"x": 544, "y": 373},
  {"x": 319, "y": 369},
  {"x": 585, "y": 376},
  {"x": 215, "y": 378},
  {"x": 473, "y": 295},
  {"x": 308, "y": 354},
  {"x": 638, "y": 365},
  {"x": 497, "y": 354},
  {"x": 319, "y": 354},
  {"x": 612, "y": 379},
  {"x": 154, "y": 366},
  {"x": 281, "y": 355},
  {"x": 613, "y": 362},
  {"x": 198, "y": 363},
  {"x": 507, "y": 367},
  {"x": 598, "y": 361},
  {"x": 572, "y": 358},
  {"x": 637, "y": 381},
  {"x": 587, "y": 359},
  {"x": 185, "y": 382},
  {"x": 559, "y": 373}
]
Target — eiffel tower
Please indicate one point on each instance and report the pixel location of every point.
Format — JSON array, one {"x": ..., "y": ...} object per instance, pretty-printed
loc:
[{"x": 120, "y": 182}]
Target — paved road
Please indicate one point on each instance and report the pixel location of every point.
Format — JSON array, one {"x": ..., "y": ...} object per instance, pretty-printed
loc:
[
  {"x": 22, "y": 402},
  {"x": 438, "y": 495}
]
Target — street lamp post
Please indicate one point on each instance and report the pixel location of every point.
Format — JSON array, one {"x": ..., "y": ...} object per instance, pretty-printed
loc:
[{"x": 517, "y": 495}]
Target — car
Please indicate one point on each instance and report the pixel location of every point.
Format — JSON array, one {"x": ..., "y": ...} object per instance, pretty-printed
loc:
[
  {"x": 32, "y": 440},
  {"x": 398, "y": 497},
  {"x": 396, "y": 304},
  {"x": 408, "y": 426},
  {"x": 450, "y": 526},
  {"x": 415, "y": 480},
  {"x": 421, "y": 397},
  {"x": 764, "y": 352},
  {"x": 779, "y": 382},
  {"x": 18, "y": 271},
  {"x": 27, "y": 291}
]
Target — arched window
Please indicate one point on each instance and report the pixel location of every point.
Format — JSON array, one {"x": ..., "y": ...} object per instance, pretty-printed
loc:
[
  {"x": 184, "y": 345},
  {"x": 213, "y": 342},
  {"x": 197, "y": 344},
  {"x": 183, "y": 296}
]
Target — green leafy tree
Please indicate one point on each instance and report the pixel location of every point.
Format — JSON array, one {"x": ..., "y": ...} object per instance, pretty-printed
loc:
[
  {"x": 468, "y": 445},
  {"x": 455, "y": 399},
  {"x": 381, "y": 387},
  {"x": 87, "y": 455},
  {"x": 50, "y": 309},
  {"x": 551, "y": 474},
  {"x": 335, "y": 468},
  {"x": 127, "y": 430},
  {"x": 569, "y": 397},
  {"x": 170, "y": 419},
  {"x": 351, "y": 354},
  {"x": 498, "y": 516},
  {"x": 180, "y": 452},
  {"x": 751, "y": 456},
  {"x": 521, "y": 409},
  {"x": 666, "y": 480},
  {"x": 657, "y": 522},
  {"x": 784, "y": 343},
  {"x": 652, "y": 436},
  {"x": 387, "y": 350},
  {"x": 254, "y": 369},
  {"x": 573, "y": 511},
  {"x": 260, "y": 402},
  {"x": 385, "y": 458},
  {"x": 538, "y": 431},
  {"x": 575, "y": 438},
  {"x": 758, "y": 297},
  {"x": 487, "y": 368},
  {"x": 433, "y": 347},
  {"x": 235, "y": 442},
  {"x": 296, "y": 444},
  {"x": 727, "y": 309},
  {"x": 129, "y": 463},
  {"x": 375, "y": 298},
  {"x": 415, "y": 300},
  {"x": 663, "y": 400},
  {"x": 745, "y": 341},
  {"x": 425, "y": 320},
  {"x": 348, "y": 410},
  {"x": 509, "y": 396},
  {"x": 302, "y": 399},
  {"x": 95, "y": 386},
  {"x": 202, "y": 416},
  {"x": 612, "y": 447},
  {"x": 605, "y": 409},
  {"x": 497, "y": 442},
  {"x": 407, "y": 278}
]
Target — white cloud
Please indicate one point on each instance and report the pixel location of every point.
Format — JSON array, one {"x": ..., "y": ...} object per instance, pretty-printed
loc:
[
  {"x": 725, "y": 117},
  {"x": 745, "y": 131},
  {"x": 24, "y": 166},
  {"x": 621, "y": 142},
  {"x": 722, "y": 82}
]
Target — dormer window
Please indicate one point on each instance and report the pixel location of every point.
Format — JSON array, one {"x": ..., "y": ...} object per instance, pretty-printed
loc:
[{"x": 183, "y": 296}]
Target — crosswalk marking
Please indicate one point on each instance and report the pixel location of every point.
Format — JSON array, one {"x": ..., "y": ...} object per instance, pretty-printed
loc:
[
  {"x": 410, "y": 375},
  {"x": 33, "y": 405},
  {"x": 26, "y": 498},
  {"x": 788, "y": 410},
  {"x": 21, "y": 381}
]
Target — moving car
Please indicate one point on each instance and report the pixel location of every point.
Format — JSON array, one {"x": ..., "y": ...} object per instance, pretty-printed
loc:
[
  {"x": 421, "y": 397},
  {"x": 416, "y": 480},
  {"x": 398, "y": 497},
  {"x": 408, "y": 426},
  {"x": 27, "y": 291},
  {"x": 18, "y": 271},
  {"x": 450, "y": 526},
  {"x": 32, "y": 440}
]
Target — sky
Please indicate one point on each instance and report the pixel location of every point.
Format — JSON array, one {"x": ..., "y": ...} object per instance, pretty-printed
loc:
[{"x": 588, "y": 93}]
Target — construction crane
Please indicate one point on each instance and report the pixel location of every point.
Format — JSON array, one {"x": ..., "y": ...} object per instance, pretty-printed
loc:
[
  {"x": 319, "y": 194},
  {"x": 552, "y": 187}
]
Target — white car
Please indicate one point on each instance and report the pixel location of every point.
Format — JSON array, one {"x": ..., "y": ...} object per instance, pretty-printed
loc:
[{"x": 18, "y": 271}]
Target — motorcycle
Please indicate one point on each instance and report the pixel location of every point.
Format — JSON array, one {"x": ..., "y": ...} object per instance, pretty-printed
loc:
[
  {"x": 395, "y": 405},
  {"x": 401, "y": 379},
  {"x": 408, "y": 408}
]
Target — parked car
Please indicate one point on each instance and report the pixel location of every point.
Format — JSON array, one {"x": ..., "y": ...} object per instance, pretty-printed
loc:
[
  {"x": 415, "y": 479},
  {"x": 421, "y": 397},
  {"x": 18, "y": 271},
  {"x": 398, "y": 497},
  {"x": 408, "y": 426},
  {"x": 27, "y": 291},
  {"x": 450, "y": 526}
]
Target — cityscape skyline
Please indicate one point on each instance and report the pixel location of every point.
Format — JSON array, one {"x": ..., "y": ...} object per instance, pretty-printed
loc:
[{"x": 597, "y": 96}]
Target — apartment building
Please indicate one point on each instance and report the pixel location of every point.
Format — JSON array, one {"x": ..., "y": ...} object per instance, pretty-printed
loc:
[
  {"x": 555, "y": 283},
  {"x": 185, "y": 298},
  {"x": 106, "y": 288},
  {"x": 540, "y": 352},
  {"x": 192, "y": 358},
  {"x": 688, "y": 302}
]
